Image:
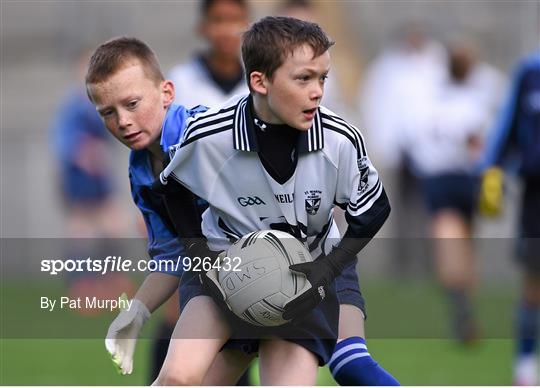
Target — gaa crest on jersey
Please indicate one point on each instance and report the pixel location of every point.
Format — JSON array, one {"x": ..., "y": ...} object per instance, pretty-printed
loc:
[
  {"x": 313, "y": 201},
  {"x": 363, "y": 168}
]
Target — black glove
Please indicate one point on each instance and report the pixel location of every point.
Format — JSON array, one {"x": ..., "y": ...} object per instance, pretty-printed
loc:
[{"x": 320, "y": 274}]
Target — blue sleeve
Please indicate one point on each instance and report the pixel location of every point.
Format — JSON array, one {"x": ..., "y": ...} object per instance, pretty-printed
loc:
[
  {"x": 164, "y": 247},
  {"x": 504, "y": 134}
]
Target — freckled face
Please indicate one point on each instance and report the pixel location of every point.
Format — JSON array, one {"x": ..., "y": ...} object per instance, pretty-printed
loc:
[{"x": 132, "y": 105}]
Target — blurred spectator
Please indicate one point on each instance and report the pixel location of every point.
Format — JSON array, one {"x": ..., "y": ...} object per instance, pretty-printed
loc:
[
  {"x": 213, "y": 76},
  {"x": 443, "y": 144},
  {"x": 210, "y": 78},
  {"x": 402, "y": 80},
  {"x": 517, "y": 133},
  {"x": 484, "y": 80},
  {"x": 83, "y": 152}
]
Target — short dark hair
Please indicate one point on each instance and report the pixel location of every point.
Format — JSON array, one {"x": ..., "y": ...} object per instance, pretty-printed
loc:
[
  {"x": 112, "y": 55},
  {"x": 269, "y": 41},
  {"x": 205, "y": 5}
]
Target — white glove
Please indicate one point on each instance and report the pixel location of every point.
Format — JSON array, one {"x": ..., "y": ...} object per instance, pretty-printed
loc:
[{"x": 123, "y": 333}]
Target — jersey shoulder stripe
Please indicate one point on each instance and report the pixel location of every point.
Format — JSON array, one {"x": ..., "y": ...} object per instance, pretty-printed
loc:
[
  {"x": 357, "y": 210},
  {"x": 240, "y": 132},
  {"x": 361, "y": 201},
  {"x": 339, "y": 125},
  {"x": 315, "y": 138},
  {"x": 205, "y": 121},
  {"x": 209, "y": 132},
  {"x": 350, "y": 129}
]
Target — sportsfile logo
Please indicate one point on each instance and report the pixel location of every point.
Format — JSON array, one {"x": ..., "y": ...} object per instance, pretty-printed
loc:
[{"x": 250, "y": 201}]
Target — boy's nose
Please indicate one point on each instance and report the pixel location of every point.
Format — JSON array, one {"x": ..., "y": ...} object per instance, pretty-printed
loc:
[
  {"x": 123, "y": 121},
  {"x": 317, "y": 92}
]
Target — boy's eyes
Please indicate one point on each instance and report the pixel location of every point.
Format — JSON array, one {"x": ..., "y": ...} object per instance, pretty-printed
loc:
[
  {"x": 109, "y": 112},
  {"x": 106, "y": 113},
  {"x": 132, "y": 104},
  {"x": 306, "y": 78}
]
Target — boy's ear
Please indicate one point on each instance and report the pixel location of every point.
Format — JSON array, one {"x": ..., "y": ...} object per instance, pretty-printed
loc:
[
  {"x": 167, "y": 91},
  {"x": 258, "y": 82}
]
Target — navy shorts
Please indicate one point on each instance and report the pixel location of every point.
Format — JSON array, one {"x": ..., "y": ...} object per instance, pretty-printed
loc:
[
  {"x": 451, "y": 191},
  {"x": 529, "y": 242},
  {"x": 348, "y": 289},
  {"x": 316, "y": 332}
]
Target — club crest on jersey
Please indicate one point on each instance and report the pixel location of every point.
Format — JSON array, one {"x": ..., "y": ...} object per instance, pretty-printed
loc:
[
  {"x": 313, "y": 201},
  {"x": 363, "y": 168}
]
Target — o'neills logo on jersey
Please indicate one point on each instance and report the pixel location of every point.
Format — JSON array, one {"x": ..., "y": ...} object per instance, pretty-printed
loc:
[
  {"x": 363, "y": 168},
  {"x": 250, "y": 201},
  {"x": 313, "y": 201},
  {"x": 284, "y": 198}
]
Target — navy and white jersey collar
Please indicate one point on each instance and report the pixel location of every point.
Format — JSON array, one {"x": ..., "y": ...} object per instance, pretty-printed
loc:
[{"x": 244, "y": 127}]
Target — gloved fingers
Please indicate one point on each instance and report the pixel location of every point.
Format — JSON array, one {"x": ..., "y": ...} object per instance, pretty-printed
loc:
[
  {"x": 123, "y": 320},
  {"x": 110, "y": 344},
  {"x": 127, "y": 364},
  {"x": 117, "y": 360},
  {"x": 491, "y": 192},
  {"x": 300, "y": 305},
  {"x": 129, "y": 347},
  {"x": 302, "y": 269},
  {"x": 300, "y": 311},
  {"x": 117, "y": 366}
]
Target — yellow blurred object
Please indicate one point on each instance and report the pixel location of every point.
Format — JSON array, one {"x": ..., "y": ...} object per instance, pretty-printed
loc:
[{"x": 491, "y": 192}]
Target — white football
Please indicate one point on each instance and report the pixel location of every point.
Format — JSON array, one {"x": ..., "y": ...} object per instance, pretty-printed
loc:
[{"x": 262, "y": 283}]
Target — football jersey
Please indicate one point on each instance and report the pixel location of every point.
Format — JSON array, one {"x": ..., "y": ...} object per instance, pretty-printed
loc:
[
  {"x": 437, "y": 140},
  {"x": 218, "y": 161}
]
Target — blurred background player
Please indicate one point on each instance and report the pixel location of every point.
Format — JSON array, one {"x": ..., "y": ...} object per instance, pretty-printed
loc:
[
  {"x": 402, "y": 79},
  {"x": 210, "y": 78},
  {"x": 214, "y": 75},
  {"x": 83, "y": 152},
  {"x": 443, "y": 142},
  {"x": 517, "y": 133}
]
